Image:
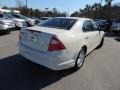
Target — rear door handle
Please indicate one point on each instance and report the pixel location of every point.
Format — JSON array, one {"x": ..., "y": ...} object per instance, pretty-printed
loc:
[{"x": 86, "y": 37}]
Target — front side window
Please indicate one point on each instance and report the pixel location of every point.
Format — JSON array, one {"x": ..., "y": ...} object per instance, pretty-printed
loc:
[
  {"x": 59, "y": 23},
  {"x": 9, "y": 16}
]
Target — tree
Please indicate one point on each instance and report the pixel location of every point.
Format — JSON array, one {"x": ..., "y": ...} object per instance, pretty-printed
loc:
[
  {"x": 5, "y": 7},
  {"x": 109, "y": 3},
  {"x": 75, "y": 14}
]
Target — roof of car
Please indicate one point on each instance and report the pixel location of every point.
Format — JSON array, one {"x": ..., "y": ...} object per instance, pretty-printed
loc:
[{"x": 74, "y": 18}]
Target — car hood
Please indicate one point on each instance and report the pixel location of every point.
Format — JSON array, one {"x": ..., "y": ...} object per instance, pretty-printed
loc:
[
  {"x": 5, "y": 20},
  {"x": 17, "y": 19},
  {"x": 31, "y": 20}
]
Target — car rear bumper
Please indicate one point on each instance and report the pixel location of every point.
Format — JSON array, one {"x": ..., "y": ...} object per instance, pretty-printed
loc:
[{"x": 52, "y": 61}]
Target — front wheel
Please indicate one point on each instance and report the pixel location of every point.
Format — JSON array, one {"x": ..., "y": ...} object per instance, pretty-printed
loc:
[{"x": 80, "y": 60}]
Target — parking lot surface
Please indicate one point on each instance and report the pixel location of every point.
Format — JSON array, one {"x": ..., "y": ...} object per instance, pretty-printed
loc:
[{"x": 101, "y": 70}]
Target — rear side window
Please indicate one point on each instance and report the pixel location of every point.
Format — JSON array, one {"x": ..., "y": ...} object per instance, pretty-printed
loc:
[
  {"x": 87, "y": 26},
  {"x": 60, "y": 23},
  {"x": 94, "y": 25}
]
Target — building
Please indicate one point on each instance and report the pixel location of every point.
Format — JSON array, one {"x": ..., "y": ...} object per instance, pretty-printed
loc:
[
  {"x": 4, "y": 11},
  {"x": 9, "y": 11}
]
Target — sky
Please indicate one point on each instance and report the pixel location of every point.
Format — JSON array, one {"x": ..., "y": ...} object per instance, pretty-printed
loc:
[{"x": 62, "y": 5}]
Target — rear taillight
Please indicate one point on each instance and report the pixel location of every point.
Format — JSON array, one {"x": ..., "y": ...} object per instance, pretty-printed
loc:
[{"x": 55, "y": 44}]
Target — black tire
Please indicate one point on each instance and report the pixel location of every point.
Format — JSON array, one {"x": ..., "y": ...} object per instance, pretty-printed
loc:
[
  {"x": 101, "y": 44},
  {"x": 8, "y": 32},
  {"x": 17, "y": 28},
  {"x": 80, "y": 59},
  {"x": 5, "y": 32},
  {"x": 116, "y": 32}
]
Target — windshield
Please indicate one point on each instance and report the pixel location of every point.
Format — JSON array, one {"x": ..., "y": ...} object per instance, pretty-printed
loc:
[
  {"x": 44, "y": 18},
  {"x": 60, "y": 23},
  {"x": 21, "y": 16},
  {"x": 2, "y": 16},
  {"x": 9, "y": 16}
]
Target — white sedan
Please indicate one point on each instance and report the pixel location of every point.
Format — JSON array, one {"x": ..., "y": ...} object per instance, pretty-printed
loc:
[
  {"x": 6, "y": 24},
  {"x": 60, "y": 43}
]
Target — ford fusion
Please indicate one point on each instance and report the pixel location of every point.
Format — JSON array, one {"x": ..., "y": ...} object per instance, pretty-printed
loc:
[{"x": 60, "y": 43}]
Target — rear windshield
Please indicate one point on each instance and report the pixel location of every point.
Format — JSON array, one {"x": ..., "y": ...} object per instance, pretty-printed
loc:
[{"x": 59, "y": 23}]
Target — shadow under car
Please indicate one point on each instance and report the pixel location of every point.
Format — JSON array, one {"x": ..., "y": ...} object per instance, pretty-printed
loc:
[{"x": 17, "y": 73}]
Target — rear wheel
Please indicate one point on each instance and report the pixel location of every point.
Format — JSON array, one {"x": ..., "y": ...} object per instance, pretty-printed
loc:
[
  {"x": 116, "y": 32},
  {"x": 101, "y": 44},
  {"x": 80, "y": 59},
  {"x": 17, "y": 27}
]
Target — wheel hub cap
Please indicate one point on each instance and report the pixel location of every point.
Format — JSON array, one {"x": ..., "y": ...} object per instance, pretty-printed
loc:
[{"x": 80, "y": 59}]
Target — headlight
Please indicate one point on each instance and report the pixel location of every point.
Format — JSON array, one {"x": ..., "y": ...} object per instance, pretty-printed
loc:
[
  {"x": 2, "y": 23},
  {"x": 18, "y": 22},
  {"x": 30, "y": 21}
]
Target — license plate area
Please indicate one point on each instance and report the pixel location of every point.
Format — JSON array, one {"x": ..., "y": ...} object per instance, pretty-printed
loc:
[{"x": 32, "y": 37}]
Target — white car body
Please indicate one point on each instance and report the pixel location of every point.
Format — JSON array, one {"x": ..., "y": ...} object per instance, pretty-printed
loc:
[
  {"x": 116, "y": 26},
  {"x": 30, "y": 21},
  {"x": 20, "y": 23},
  {"x": 6, "y": 24},
  {"x": 36, "y": 50}
]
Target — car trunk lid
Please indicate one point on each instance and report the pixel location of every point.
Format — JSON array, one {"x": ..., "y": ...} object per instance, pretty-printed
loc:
[{"x": 38, "y": 38}]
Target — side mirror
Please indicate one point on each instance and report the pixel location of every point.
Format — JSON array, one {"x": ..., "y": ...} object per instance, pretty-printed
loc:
[{"x": 100, "y": 28}]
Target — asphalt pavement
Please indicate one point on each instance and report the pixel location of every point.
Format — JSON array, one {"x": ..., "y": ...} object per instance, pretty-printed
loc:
[{"x": 101, "y": 70}]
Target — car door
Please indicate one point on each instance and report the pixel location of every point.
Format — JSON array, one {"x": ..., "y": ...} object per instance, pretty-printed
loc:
[
  {"x": 97, "y": 33},
  {"x": 90, "y": 34}
]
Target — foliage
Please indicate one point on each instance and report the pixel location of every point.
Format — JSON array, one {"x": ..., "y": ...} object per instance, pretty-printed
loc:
[
  {"x": 37, "y": 12},
  {"x": 97, "y": 11}
]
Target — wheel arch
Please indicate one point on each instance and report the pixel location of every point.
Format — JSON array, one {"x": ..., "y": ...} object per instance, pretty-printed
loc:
[
  {"x": 78, "y": 50},
  {"x": 85, "y": 48}
]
